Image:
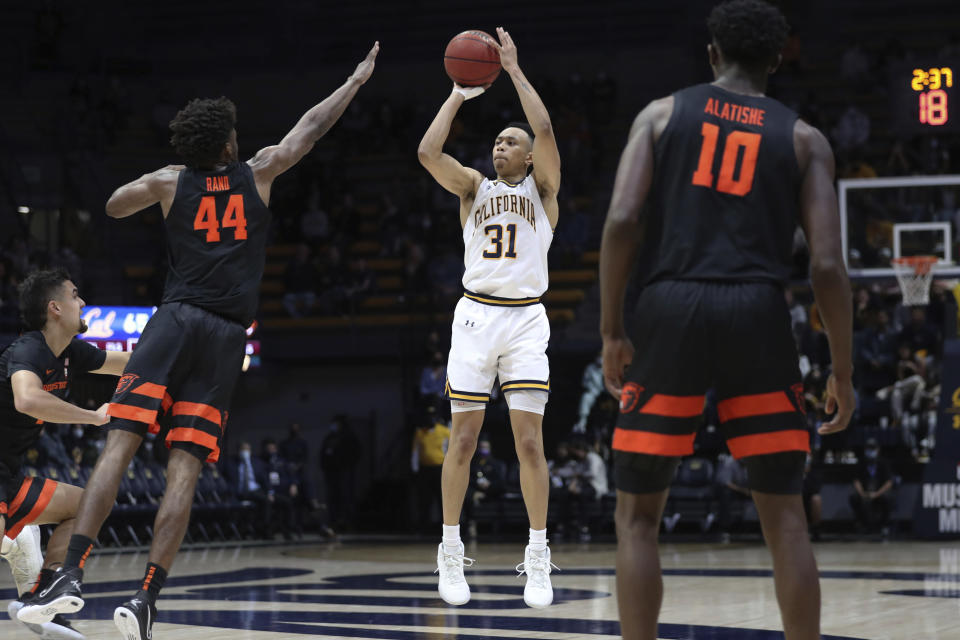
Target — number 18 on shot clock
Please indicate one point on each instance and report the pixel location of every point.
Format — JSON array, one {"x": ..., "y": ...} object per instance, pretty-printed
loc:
[{"x": 927, "y": 97}]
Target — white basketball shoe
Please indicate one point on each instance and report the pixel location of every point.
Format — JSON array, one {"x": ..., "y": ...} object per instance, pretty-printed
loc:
[
  {"x": 453, "y": 585},
  {"x": 538, "y": 592}
]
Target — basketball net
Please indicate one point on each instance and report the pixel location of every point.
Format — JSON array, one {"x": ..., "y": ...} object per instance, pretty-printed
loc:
[{"x": 915, "y": 274}]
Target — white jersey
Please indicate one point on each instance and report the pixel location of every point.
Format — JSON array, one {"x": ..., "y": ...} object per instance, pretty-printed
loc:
[{"x": 505, "y": 241}]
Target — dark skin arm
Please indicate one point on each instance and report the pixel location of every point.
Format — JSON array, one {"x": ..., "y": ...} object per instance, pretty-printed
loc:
[
  {"x": 622, "y": 236},
  {"x": 828, "y": 275}
]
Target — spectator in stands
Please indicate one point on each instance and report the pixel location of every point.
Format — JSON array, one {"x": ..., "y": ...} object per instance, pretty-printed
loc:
[
  {"x": 731, "y": 482},
  {"x": 584, "y": 478},
  {"x": 919, "y": 334},
  {"x": 340, "y": 452},
  {"x": 430, "y": 443},
  {"x": 488, "y": 481},
  {"x": 852, "y": 130},
  {"x": 281, "y": 487},
  {"x": 910, "y": 384},
  {"x": 593, "y": 388},
  {"x": 247, "y": 476},
  {"x": 332, "y": 293},
  {"x": 358, "y": 283},
  {"x": 812, "y": 503},
  {"x": 300, "y": 282},
  {"x": 296, "y": 451},
  {"x": 433, "y": 380},
  {"x": 871, "y": 498},
  {"x": 314, "y": 223}
]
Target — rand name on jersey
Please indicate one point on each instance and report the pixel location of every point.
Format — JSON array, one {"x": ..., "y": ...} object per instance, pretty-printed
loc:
[
  {"x": 506, "y": 238},
  {"x": 216, "y": 242},
  {"x": 724, "y": 202}
]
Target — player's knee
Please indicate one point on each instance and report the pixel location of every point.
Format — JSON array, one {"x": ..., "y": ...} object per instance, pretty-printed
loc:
[
  {"x": 633, "y": 522},
  {"x": 529, "y": 449},
  {"x": 462, "y": 447}
]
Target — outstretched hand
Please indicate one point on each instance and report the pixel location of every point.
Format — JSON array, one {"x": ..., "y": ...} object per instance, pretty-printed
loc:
[
  {"x": 508, "y": 51},
  {"x": 364, "y": 70}
]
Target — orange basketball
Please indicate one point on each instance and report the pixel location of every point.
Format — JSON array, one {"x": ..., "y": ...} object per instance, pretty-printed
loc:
[{"x": 472, "y": 59}]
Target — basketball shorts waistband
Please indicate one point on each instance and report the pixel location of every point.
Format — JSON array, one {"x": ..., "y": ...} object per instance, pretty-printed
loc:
[{"x": 496, "y": 301}]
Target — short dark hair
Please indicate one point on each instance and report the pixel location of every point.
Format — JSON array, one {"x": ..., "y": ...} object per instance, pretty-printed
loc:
[
  {"x": 749, "y": 32},
  {"x": 36, "y": 290},
  {"x": 201, "y": 129},
  {"x": 523, "y": 126}
]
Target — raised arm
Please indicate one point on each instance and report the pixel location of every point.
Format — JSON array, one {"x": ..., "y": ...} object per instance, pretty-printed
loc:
[
  {"x": 828, "y": 275},
  {"x": 146, "y": 191},
  {"x": 445, "y": 169},
  {"x": 546, "y": 156},
  {"x": 30, "y": 399},
  {"x": 272, "y": 161},
  {"x": 622, "y": 235}
]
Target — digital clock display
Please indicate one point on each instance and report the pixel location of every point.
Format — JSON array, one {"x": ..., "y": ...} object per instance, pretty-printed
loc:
[{"x": 924, "y": 96}]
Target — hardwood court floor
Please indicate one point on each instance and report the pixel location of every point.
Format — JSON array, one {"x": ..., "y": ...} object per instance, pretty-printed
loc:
[{"x": 901, "y": 590}]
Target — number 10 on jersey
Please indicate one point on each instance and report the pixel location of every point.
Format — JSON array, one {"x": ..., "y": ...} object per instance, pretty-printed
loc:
[{"x": 737, "y": 140}]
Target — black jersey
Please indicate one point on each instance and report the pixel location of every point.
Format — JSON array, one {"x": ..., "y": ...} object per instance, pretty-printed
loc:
[
  {"x": 29, "y": 352},
  {"x": 216, "y": 242},
  {"x": 724, "y": 203}
]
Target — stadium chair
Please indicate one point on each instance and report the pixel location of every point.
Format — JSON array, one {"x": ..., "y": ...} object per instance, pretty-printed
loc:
[{"x": 693, "y": 493}]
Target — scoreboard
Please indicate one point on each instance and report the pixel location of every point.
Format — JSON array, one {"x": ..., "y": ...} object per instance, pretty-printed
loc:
[{"x": 926, "y": 96}]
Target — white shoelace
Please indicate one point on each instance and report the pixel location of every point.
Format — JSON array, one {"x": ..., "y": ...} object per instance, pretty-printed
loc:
[
  {"x": 454, "y": 566},
  {"x": 538, "y": 570}
]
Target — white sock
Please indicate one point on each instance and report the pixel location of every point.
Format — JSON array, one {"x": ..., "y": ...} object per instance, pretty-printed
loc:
[
  {"x": 451, "y": 538},
  {"x": 538, "y": 539}
]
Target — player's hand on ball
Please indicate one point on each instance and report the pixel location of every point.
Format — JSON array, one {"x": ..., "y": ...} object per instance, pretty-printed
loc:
[
  {"x": 469, "y": 92},
  {"x": 617, "y": 356},
  {"x": 841, "y": 401},
  {"x": 365, "y": 69},
  {"x": 508, "y": 51},
  {"x": 100, "y": 415}
]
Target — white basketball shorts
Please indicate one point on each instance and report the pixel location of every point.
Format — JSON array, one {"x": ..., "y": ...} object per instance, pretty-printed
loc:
[{"x": 490, "y": 340}]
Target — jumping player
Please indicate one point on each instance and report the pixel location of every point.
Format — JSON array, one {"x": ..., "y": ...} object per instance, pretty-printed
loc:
[
  {"x": 33, "y": 385},
  {"x": 189, "y": 357},
  {"x": 711, "y": 186},
  {"x": 499, "y": 326}
]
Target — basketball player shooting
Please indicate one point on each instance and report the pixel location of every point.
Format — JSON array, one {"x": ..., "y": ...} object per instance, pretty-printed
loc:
[
  {"x": 711, "y": 186},
  {"x": 499, "y": 326},
  {"x": 189, "y": 357}
]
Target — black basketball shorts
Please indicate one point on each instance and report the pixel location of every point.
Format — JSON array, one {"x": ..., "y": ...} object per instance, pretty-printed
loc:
[
  {"x": 30, "y": 498},
  {"x": 691, "y": 336},
  {"x": 180, "y": 379}
]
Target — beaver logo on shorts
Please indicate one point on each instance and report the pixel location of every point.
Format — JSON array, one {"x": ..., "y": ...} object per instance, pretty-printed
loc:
[
  {"x": 797, "y": 389},
  {"x": 629, "y": 396},
  {"x": 126, "y": 381}
]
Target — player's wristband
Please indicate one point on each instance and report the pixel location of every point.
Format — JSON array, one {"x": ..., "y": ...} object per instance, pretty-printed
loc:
[{"x": 468, "y": 92}]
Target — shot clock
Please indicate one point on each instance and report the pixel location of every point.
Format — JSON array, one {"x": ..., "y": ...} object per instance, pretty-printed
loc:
[{"x": 927, "y": 96}]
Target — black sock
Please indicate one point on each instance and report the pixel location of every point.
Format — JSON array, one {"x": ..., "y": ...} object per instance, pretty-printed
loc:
[
  {"x": 153, "y": 581},
  {"x": 78, "y": 550}
]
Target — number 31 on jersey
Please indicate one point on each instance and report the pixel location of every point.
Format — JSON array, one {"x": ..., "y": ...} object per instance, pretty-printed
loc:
[{"x": 206, "y": 219}]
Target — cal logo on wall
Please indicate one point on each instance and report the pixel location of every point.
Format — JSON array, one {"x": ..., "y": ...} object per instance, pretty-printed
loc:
[{"x": 938, "y": 510}]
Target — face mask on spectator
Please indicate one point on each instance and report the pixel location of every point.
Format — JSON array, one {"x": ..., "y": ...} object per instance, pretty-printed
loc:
[
  {"x": 484, "y": 451},
  {"x": 245, "y": 454},
  {"x": 871, "y": 454},
  {"x": 78, "y": 432}
]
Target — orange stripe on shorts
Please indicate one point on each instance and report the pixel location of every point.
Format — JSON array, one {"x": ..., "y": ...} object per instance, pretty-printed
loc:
[
  {"x": 759, "y": 404},
  {"x": 21, "y": 496},
  {"x": 46, "y": 494},
  {"x": 150, "y": 389},
  {"x": 657, "y": 444},
  {"x": 205, "y": 411},
  {"x": 130, "y": 412},
  {"x": 661, "y": 404},
  {"x": 773, "y": 442}
]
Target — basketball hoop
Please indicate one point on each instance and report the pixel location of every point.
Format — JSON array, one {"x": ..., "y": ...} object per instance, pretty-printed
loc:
[{"x": 914, "y": 274}]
